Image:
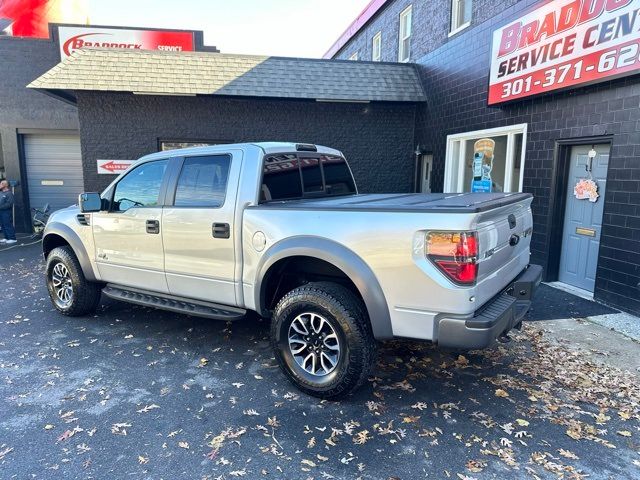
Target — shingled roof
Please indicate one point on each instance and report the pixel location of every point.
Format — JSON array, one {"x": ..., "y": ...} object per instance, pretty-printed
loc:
[{"x": 205, "y": 73}]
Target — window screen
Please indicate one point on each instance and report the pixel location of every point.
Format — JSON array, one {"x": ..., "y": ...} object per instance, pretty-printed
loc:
[
  {"x": 140, "y": 187},
  {"x": 203, "y": 181}
]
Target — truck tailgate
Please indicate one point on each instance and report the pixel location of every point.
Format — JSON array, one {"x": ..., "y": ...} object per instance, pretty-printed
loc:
[{"x": 504, "y": 235}]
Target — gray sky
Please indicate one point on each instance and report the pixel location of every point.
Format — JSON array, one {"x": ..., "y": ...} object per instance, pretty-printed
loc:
[{"x": 304, "y": 28}]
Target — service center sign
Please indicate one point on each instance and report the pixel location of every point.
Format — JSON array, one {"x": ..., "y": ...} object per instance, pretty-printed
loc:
[
  {"x": 564, "y": 43},
  {"x": 74, "y": 38}
]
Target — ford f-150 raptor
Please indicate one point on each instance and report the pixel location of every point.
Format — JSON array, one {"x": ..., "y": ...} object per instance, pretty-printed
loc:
[{"x": 280, "y": 229}]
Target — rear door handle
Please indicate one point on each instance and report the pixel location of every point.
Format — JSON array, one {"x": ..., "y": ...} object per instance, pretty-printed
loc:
[
  {"x": 221, "y": 230},
  {"x": 153, "y": 227}
]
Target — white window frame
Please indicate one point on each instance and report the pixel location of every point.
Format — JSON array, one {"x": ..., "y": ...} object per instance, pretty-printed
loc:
[
  {"x": 354, "y": 57},
  {"x": 405, "y": 57},
  {"x": 455, "y": 27},
  {"x": 376, "y": 44},
  {"x": 454, "y": 168}
]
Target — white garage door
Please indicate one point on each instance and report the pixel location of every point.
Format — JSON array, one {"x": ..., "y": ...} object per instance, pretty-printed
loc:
[{"x": 54, "y": 170}]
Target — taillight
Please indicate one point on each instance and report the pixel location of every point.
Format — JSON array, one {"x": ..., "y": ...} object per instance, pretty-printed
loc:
[{"x": 455, "y": 254}]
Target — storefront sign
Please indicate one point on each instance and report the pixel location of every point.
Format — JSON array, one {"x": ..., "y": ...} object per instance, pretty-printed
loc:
[
  {"x": 74, "y": 38},
  {"x": 114, "y": 167},
  {"x": 565, "y": 43}
]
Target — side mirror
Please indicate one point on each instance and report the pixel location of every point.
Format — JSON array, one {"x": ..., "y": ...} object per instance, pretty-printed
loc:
[{"x": 90, "y": 202}]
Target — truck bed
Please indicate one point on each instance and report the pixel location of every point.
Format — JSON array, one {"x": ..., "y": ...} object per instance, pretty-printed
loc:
[{"x": 422, "y": 202}]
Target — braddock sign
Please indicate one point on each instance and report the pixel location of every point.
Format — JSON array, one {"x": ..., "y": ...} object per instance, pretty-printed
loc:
[
  {"x": 562, "y": 44},
  {"x": 74, "y": 38}
]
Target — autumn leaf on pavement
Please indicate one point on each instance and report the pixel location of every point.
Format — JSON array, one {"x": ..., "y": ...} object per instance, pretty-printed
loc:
[
  {"x": 568, "y": 454},
  {"x": 501, "y": 393},
  {"x": 148, "y": 408},
  {"x": 362, "y": 437},
  {"x": 143, "y": 460},
  {"x": 273, "y": 422}
]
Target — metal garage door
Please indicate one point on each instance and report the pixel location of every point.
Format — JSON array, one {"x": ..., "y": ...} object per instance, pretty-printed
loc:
[{"x": 54, "y": 170}]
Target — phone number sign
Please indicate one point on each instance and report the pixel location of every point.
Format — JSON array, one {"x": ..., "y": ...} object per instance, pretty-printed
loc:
[{"x": 562, "y": 44}]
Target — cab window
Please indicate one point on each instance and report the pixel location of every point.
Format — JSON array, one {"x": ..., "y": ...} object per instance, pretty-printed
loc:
[
  {"x": 140, "y": 187},
  {"x": 203, "y": 181},
  {"x": 291, "y": 176}
]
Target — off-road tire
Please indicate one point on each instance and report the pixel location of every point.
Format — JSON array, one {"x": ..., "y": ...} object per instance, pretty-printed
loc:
[
  {"x": 86, "y": 295},
  {"x": 347, "y": 316}
]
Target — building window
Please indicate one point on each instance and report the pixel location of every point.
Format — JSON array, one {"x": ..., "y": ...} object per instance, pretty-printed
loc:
[
  {"x": 486, "y": 160},
  {"x": 404, "y": 49},
  {"x": 460, "y": 15},
  {"x": 354, "y": 57},
  {"x": 376, "y": 55},
  {"x": 166, "y": 145}
]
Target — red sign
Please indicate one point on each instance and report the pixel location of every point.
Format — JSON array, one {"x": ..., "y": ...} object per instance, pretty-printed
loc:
[
  {"x": 565, "y": 43},
  {"x": 31, "y": 18},
  {"x": 74, "y": 38},
  {"x": 114, "y": 167}
]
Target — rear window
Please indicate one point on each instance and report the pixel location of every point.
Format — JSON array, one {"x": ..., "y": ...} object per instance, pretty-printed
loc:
[{"x": 291, "y": 176}]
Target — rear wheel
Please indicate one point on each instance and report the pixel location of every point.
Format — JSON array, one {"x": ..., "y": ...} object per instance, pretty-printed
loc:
[
  {"x": 70, "y": 292},
  {"x": 322, "y": 339}
]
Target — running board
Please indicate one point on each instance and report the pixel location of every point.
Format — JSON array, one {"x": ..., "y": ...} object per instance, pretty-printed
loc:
[{"x": 186, "y": 306}]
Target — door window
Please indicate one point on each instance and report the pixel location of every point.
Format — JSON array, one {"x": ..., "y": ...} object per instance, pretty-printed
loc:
[
  {"x": 203, "y": 181},
  {"x": 140, "y": 187}
]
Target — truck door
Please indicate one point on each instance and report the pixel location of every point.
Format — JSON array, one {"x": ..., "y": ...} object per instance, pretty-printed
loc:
[
  {"x": 198, "y": 228},
  {"x": 127, "y": 237}
]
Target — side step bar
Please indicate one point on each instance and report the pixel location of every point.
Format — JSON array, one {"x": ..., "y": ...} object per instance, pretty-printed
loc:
[{"x": 186, "y": 306}]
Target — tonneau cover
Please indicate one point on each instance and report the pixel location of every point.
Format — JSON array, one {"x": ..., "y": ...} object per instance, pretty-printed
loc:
[{"x": 420, "y": 202}]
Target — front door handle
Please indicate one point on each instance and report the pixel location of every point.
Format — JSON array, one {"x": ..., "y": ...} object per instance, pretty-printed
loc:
[
  {"x": 153, "y": 227},
  {"x": 221, "y": 230}
]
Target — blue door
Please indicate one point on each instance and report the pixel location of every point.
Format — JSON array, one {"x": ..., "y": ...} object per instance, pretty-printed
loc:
[{"x": 583, "y": 219}]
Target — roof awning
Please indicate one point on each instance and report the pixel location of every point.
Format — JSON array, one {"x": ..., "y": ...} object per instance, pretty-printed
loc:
[{"x": 205, "y": 73}]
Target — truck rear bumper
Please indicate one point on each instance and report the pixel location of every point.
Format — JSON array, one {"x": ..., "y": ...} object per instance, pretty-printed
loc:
[{"x": 495, "y": 318}]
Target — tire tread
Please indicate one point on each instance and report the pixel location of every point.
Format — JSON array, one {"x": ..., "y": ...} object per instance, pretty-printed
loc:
[
  {"x": 86, "y": 294},
  {"x": 352, "y": 310}
]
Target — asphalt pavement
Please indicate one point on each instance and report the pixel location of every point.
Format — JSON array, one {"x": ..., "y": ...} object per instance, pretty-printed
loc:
[{"x": 137, "y": 393}]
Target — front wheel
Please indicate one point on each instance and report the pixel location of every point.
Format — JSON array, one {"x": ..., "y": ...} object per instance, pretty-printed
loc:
[
  {"x": 70, "y": 292},
  {"x": 322, "y": 339}
]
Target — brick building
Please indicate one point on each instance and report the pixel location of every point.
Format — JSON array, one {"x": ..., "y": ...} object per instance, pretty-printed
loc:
[
  {"x": 542, "y": 140},
  {"x": 446, "y": 95},
  {"x": 39, "y": 135}
]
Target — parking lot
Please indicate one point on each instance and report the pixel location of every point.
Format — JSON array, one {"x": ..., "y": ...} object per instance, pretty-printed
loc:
[{"x": 138, "y": 393}]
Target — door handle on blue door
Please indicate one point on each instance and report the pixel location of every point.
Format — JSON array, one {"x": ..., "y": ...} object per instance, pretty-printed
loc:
[
  {"x": 221, "y": 230},
  {"x": 153, "y": 227}
]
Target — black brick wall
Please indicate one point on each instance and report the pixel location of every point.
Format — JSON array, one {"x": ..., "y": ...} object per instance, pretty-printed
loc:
[
  {"x": 455, "y": 74},
  {"x": 377, "y": 139},
  {"x": 22, "y": 60}
]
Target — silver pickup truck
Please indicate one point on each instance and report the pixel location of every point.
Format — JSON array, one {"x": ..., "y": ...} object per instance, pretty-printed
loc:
[{"x": 280, "y": 229}]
